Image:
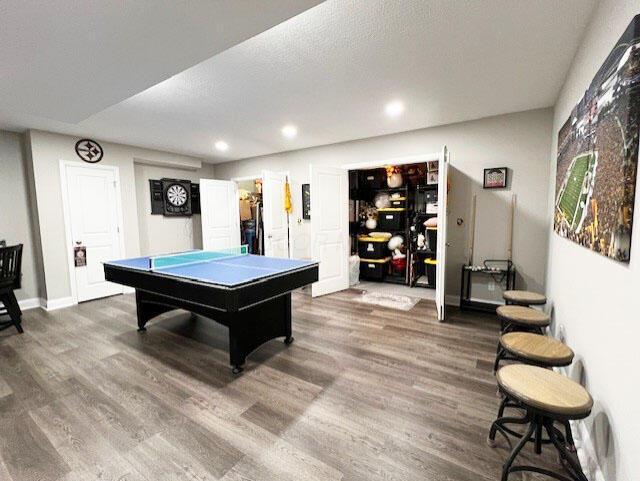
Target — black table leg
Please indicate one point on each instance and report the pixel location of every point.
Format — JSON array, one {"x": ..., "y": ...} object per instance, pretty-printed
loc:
[
  {"x": 248, "y": 328},
  {"x": 252, "y": 327},
  {"x": 148, "y": 306}
]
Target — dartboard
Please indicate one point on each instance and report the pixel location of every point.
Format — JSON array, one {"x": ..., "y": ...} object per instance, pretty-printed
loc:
[{"x": 177, "y": 195}]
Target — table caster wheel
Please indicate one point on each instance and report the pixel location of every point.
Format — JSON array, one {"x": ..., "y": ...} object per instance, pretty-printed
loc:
[
  {"x": 491, "y": 443},
  {"x": 288, "y": 340},
  {"x": 142, "y": 329},
  {"x": 237, "y": 369}
]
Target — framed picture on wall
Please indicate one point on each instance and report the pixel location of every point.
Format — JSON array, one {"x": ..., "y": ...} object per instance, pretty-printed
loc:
[
  {"x": 495, "y": 178},
  {"x": 306, "y": 201},
  {"x": 597, "y": 160}
]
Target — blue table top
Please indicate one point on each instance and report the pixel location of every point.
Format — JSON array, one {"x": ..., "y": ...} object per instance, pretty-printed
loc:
[{"x": 231, "y": 271}]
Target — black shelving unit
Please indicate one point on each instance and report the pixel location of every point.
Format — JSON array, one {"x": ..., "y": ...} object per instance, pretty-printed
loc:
[
  {"x": 357, "y": 228},
  {"x": 420, "y": 215}
]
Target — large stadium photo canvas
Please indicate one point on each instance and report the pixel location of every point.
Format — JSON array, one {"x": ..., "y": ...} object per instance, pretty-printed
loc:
[{"x": 598, "y": 155}]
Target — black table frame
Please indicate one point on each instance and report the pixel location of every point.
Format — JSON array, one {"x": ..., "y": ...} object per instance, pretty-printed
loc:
[{"x": 254, "y": 312}]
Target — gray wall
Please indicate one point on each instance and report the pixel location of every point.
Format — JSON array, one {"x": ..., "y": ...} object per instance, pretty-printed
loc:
[
  {"x": 518, "y": 141},
  {"x": 594, "y": 299},
  {"x": 47, "y": 149},
  {"x": 160, "y": 234},
  {"x": 15, "y": 218}
]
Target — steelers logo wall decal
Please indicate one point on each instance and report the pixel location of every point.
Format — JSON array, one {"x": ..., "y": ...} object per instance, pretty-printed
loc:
[{"x": 89, "y": 150}]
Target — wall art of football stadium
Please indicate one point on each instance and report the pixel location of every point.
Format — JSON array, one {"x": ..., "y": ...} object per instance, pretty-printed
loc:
[{"x": 598, "y": 155}]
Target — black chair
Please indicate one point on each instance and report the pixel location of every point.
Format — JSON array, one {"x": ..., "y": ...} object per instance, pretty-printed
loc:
[{"x": 10, "y": 276}]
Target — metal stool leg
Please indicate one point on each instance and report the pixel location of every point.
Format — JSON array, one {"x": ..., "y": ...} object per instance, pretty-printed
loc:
[
  {"x": 500, "y": 354},
  {"x": 514, "y": 453},
  {"x": 572, "y": 466},
  {"x": 571, "y": 446}
]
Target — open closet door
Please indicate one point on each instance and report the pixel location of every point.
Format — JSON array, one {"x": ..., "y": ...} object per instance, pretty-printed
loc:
[
  {"x": 220, "y": 214},
  {"x": 443, "y": 178},
  {"x": 330, "y": 228},
  {"x": 275, "y": 218}
]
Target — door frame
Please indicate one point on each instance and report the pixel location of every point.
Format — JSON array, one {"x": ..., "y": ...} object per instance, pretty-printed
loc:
[
  {"x": 409, "y": 159},
  {"x": 287, "y": 174},
  {"x": 245, "y": 177},
  {"x": 67, "y": 216}
]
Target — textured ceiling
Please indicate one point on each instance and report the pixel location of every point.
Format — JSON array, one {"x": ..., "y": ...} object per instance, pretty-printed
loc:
[
  {"x": 68, "y": 59},
  {"x": 331, "y": 69}
]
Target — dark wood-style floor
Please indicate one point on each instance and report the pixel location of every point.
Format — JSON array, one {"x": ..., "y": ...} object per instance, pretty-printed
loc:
[{"x": 364, "y": 393}]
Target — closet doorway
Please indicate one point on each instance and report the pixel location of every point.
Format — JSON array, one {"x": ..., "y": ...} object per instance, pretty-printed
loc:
[
  {"x": 251, "y": 212},
  {"x": 264, "y": 221}
]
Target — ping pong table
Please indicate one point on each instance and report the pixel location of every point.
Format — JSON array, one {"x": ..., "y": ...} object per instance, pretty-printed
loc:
[{"x": 249, "y": 294}]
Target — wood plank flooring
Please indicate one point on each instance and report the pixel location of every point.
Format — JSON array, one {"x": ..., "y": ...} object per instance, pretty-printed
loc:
[{"x": 364, "y": 393}]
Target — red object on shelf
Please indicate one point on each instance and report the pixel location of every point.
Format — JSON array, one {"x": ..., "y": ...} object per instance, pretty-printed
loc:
[{"x": 399, "y": 264}]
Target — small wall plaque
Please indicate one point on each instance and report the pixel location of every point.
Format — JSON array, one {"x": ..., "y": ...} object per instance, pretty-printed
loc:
[
  {"x": 306, "y": 201},
  {"x": 495, "y": 178},
  {"x": 80, "y": 256},
  {"x": 89, "y": 150}
]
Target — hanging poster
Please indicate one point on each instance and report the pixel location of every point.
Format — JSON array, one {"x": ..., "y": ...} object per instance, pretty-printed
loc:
[{"x": 597, "y": 158}]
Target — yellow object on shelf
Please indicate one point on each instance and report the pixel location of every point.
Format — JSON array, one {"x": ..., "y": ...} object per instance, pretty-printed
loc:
[
  {"x": 380, "y": 235},
  {"x": 432, "y": 262},
  {"x": 376, "y": 261},
  {"x": 432, "y": 228},
  {"x": 392, "y": 209},
  {"x": 366, "y": 238}
]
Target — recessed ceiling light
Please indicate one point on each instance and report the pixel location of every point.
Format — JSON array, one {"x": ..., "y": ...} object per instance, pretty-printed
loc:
[
  {"x": 289, "y": 131},
  {"x": 222, "y": 146},
  {"x": 395, "y": 108}
]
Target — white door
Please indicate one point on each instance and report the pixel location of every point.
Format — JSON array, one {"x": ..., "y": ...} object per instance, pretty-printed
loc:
[
  {"x": 443, "y": 176},
  {"x": 220, "y": 214},
  {"x": 93, "y": 222},
  {"x": 330, "y": 228},
  {"x": 275, "y": 218}
]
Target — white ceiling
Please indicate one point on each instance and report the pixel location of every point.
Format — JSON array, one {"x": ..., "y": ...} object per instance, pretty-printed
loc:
[
  {"x": 329, "y": 70},
  {"x": 69, "y": 59}
]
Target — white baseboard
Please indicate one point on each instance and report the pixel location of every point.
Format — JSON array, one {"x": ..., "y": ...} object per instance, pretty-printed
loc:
[
  {"x": 26, "y": 304},
  {"x": 128, "y": 290},
  {"x": 53, "y": 304},
  {"x": 584, "y": 444},
  {"x": 586, "y": 451}
]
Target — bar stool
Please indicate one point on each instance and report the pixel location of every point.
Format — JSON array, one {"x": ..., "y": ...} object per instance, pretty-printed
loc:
[
  {"x": 522, "y": 318},
  {"x": 534, "y": 349},
  {"x": 524, "y": 298},
  {"x": 547, "y": 397}
]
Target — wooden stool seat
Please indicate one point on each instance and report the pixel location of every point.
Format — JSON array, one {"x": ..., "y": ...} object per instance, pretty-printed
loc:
[
  {"x": 545, "y": 390},
  {"x": 537, "y": 349},
  {"x": 547, "y": 398},
  {"x": 524, "y": 315},
  {"x": 524, "y": 298}
]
